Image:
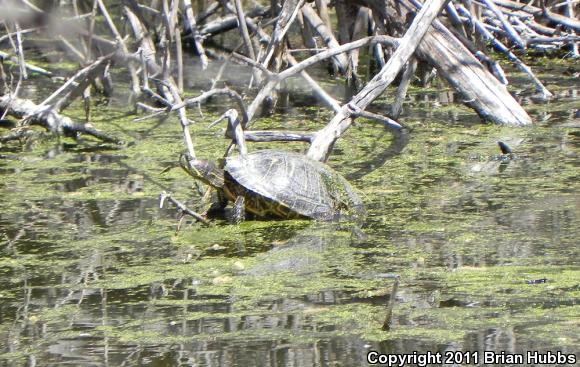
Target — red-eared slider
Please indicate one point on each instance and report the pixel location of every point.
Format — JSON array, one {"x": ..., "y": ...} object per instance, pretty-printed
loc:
[
  {"x": 271, "y": 183},
  {"x": 275, "y": 183}
]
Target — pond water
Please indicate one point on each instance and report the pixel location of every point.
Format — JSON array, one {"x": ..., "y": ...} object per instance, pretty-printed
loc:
[{"x": 93, "y": 273}]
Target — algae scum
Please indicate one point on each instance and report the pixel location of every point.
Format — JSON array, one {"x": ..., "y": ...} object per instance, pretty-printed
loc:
[{"x": 93, "y": 273}]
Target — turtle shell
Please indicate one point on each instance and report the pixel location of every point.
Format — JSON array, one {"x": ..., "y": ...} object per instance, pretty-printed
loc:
[{"x": 291, "y": 181}]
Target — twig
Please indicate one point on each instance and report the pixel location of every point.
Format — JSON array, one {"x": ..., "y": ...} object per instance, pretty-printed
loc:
[
  {"x": 513, "y": 34},
  {"x": 397, "y": 106},
  {"x": 244, "y": 29},
  {"x": 277, "y": 78},
  {"x": 546, "y": 94},
  {"x": 207, "y": 95},
  {"x": 121, "y": 42},
  {"x": 165, "y": 196},
  {"x": 324, "y": 140},
  {"x": 197, "y": 39}
]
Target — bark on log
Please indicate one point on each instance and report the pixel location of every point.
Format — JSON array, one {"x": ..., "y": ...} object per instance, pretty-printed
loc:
[
  {"x": 479, "y": 88},
  {"x": 463, "y": 71}
]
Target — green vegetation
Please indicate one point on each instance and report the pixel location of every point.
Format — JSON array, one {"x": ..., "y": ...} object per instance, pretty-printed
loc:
[{"x": 86, "y": 254}]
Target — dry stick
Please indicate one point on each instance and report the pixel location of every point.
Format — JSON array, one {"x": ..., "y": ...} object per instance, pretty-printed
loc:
[
  {"x": 32, "y": 68},
  {"x": 560, "y": 40},
  {"x": 9, "y": 34},
  {"x": 85, "y": 77},
  {"x": 88, "y": 58},
  {"x": 84, "y": 74},
  {"x": 508, "y": 12},
  {"x": 173, "y": 18},
  {"x": 359, "y": 31},
  {"x": 379, "y": 54},
  {"x": 325, "y": 138},
  {"x": 208, "y": 12},
  {"x": 179, "y": 56},
  {"x": 251, "y": 62},
  {"x": 49, "y": 118},
  {"x": 511, "y": 32},
  {"x": 168, "y": 88},
  {"x": 397, "y": 106},
  {"x": 502, "y": 48},
  {"x": 121, "y": 43},
  {"x": 167, "y": 20},
  {"x": 207, "y": 95},
  {"x": 78, "y": 55},
  {"x": 318, "y": 91},
  {"x": 455, "y": 19},
  {"x": 244, "y": 29},
  {"x": 322, "y": 8},
  {"x": 81, "y": 40},
  {"x": 165, "y": 196},
  {"x": 197, "y": 40},
  {"x": 523, "y": 29},
  {"x": 287, "y": 15},
  {"x": 541, "y": 29},
  {"x": 307, "y": 36},
  {"x": 165, "y": 40},
  {"x": 239, "y": 136},
  {"x": 480, "y": 90},
  {"x": 564, "y": 3},
  {"x": 229, "y": 22},
  {"x": 332, "y": 103},
  {"x": 318, "y": 25},
  {"x": 571, "y": 23},
  {"x": 20, "y": 51},
  {"x": 21, "y": 64},
  {"x": 493, "y": 66},
  {"x": 556, "y": 18},
  {"x": 277, "y": 78}
]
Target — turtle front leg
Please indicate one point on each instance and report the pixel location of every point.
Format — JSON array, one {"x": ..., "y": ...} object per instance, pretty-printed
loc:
[
  {"x": 216, "y": 206},
  {"x": 239, "y": 209}
]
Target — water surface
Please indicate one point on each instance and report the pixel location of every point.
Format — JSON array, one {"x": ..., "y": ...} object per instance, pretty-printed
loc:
[{"x": 93, "y": 273}]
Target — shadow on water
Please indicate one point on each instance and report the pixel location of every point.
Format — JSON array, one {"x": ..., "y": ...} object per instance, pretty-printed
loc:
[{"x": 382, "y": 153}]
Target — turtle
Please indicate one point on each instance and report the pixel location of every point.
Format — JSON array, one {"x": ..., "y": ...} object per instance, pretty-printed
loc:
[{"x": 275, "y": 183}]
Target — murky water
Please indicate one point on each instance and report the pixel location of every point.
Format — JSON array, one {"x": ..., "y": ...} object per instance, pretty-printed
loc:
[{"x": 93, "y": 273}]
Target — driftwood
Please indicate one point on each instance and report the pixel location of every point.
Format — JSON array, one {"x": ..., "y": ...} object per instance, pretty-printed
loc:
[
  {"x": 49, "y": 118},
  {"x": 325, "y": 139},
  {"x": 403, "y": 38},
  {"x": 462, "y": 70}
]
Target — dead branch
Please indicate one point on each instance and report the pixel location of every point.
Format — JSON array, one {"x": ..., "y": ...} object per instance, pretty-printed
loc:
[
  {"x": 49, "y": 118},
  {"x": 325, "y": 139}
]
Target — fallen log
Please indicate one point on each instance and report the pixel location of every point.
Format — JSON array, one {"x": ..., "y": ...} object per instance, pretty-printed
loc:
[{"x": 481, "y": 91}]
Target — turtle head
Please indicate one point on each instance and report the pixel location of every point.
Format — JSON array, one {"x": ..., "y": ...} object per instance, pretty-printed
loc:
[{"x": 202, "y": 169}]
